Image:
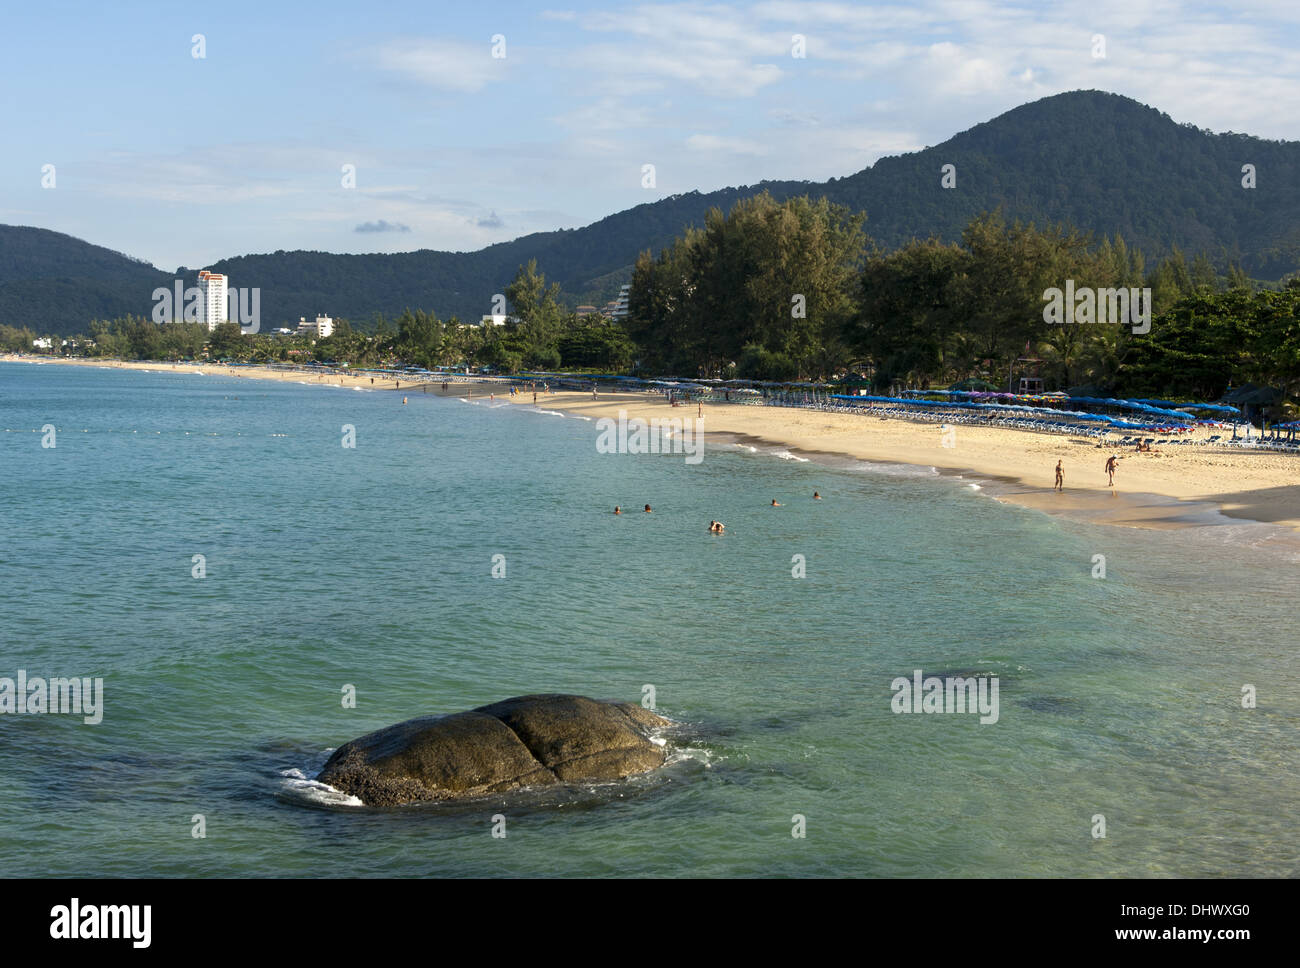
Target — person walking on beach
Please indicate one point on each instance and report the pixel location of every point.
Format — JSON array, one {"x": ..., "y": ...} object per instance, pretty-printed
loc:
[
  {"x": 1110, "y": 470},
  {"x": 534, "y": 398},
  {"x": 1060, "y": 477}
]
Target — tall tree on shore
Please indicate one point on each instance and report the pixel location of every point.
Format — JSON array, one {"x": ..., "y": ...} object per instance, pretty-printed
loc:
[{"x": 773, "y": 276}]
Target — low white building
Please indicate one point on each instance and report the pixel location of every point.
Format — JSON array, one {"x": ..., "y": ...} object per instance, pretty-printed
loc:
[
  {"x": 497, "y": 319},
  {"x": 322, "y": 327}
]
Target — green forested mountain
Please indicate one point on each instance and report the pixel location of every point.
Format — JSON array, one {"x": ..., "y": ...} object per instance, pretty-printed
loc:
[
  {"x": 53, "y": 283},
  {"x": 1098, "y": 161}
]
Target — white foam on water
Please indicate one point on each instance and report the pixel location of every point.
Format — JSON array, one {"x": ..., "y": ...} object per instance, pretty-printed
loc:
[
  {"x": 297, "y": 786},
  {"x": 786, "y": 455},
  {"x": 698, "y": 754}
]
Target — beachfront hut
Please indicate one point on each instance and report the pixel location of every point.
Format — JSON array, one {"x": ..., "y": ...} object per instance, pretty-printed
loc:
[
  {"x": 1252, "y": 399},
  {"x": 1031, "y": 379}
]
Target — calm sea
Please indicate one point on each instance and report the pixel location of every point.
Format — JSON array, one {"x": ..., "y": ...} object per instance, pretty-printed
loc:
[{"x": 328, "y": 567}]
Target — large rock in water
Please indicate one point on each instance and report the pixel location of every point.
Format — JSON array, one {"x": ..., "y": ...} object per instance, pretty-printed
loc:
[{"x": 525, "y": 741}]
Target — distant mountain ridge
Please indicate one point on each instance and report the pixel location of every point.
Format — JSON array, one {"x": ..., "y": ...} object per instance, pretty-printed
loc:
[{"x": 1099, "y": 161}]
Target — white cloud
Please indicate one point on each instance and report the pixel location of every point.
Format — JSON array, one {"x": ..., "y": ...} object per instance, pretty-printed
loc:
[
  {"x": 717, "y": 144},
  {"x": 446, "y": 65}
]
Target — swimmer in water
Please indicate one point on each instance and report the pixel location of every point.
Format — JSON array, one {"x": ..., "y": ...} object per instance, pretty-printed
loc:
[
  {"x": 775, "y": 503},
  {"x": 618, "y": 510},
  {"x": 816, "y": 496},
  {"x": 647, "y": 509},
  {"x": 403, "y": 401}
]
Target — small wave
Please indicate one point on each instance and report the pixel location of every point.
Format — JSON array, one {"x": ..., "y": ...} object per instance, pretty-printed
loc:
[
  {"x": 693, "y": 754},
  {"x": 295, "y": 785},
  {"x": 786, "y": 455}
]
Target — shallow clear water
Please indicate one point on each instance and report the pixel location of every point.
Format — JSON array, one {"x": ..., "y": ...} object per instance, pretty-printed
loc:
[{"x": 372, "y": 567}]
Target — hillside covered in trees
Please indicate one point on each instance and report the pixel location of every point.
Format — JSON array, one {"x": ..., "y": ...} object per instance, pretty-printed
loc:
[
  {"x": 793, "y": 291},
  {"x": 1102, "y": 163}
]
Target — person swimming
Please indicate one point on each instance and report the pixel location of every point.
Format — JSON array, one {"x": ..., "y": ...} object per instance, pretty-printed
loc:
[
  {"x": 618, "y": 510},
  {"x": 776, "y": 504},
  {"x": 816, "y": 496},
  {"x": 716, "y": 527},
  {"x": 647, "y": 509}
]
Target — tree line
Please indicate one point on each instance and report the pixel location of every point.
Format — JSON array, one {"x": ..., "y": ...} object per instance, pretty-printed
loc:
[{"x": 796, "y": 290}]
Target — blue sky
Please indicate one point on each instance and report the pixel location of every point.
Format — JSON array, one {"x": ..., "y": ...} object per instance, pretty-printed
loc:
[{"x": 182, "y": 160}]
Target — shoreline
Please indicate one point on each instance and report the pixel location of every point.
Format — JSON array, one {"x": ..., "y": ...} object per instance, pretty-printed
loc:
[{"x": 1196, "y": 486}]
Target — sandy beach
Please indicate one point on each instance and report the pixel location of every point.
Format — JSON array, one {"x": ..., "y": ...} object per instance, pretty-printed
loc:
[
  {"x": 329, "y": 377},
  {"x": 1260, "y": 486}
]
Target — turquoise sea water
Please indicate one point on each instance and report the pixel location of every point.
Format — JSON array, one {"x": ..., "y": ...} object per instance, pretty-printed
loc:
[{"x": 371, "y": 567}]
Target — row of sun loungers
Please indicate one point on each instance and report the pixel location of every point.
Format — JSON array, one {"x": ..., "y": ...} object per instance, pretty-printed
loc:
[
  {"x": 1035, "y": 423},
  {"x": 1275, "y": 443}
]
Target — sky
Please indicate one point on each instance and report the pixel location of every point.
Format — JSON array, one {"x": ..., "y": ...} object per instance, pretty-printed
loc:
[{"x": 466, "y": 124}]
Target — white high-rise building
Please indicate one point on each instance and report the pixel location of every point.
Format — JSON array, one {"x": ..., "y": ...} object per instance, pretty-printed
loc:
[
  {"x": 212, "y": 307},
  {"x": 620, "y": 304}
]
